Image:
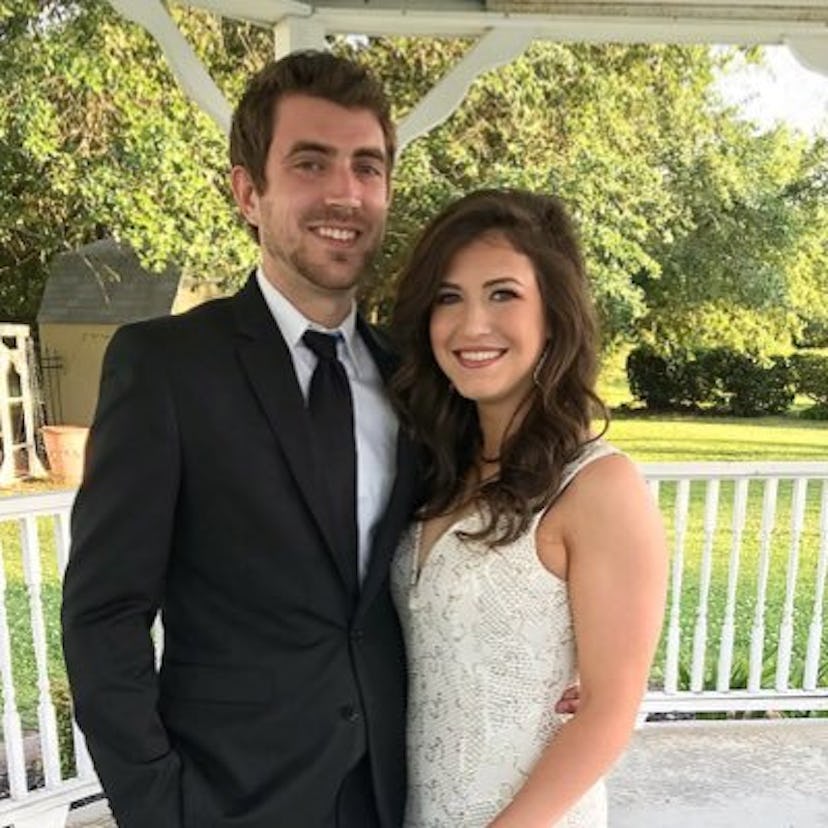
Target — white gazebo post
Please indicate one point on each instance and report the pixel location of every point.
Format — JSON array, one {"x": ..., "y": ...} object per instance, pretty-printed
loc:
[{"x": 292, "y": 34}]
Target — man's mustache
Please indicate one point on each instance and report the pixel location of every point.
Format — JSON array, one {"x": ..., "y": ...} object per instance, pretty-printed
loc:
[{"x": 353, "y": 216}]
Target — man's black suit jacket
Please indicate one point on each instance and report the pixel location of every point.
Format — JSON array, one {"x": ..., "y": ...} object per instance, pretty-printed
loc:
[{"x": 201, "y": 499}]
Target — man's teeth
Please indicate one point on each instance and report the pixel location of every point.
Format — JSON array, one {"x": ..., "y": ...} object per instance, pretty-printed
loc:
[
  {"x": 478, "y": 356},
  {"x": 336, "y": 233}
]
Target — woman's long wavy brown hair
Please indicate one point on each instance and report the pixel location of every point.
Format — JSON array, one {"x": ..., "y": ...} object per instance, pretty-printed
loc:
[{"x": 562, "y": 403}]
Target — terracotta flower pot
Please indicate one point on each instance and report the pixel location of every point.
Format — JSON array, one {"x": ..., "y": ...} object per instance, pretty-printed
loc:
[{"x": 65, "y": 448}]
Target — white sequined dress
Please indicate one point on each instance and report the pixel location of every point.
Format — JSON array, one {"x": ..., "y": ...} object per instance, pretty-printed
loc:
[{"x": 490, "y": 648}]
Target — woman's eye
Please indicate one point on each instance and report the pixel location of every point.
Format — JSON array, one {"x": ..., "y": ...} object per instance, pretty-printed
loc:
[
  {"x": 446, "y": 298},
  {"x": 503, "y": 295}
]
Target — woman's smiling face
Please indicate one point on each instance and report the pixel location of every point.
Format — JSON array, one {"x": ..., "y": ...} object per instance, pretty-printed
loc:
[{"x": 488, "y": 327}]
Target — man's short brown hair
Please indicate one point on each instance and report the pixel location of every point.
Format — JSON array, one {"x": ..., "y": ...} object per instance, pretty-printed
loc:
[{"x": 319, "y": 74}]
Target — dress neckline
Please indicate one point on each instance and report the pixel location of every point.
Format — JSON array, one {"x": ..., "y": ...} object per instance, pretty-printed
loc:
[{"x": 418, "y": 562}]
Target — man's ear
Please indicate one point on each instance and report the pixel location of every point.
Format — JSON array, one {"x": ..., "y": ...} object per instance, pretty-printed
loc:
[{"x": 245, "y": 194}]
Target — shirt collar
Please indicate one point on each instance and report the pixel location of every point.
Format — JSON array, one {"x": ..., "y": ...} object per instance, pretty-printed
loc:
[{"x": 293, "y": 323}]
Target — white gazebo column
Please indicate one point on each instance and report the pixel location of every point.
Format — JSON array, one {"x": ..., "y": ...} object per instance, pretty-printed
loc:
[
  {"x": 811, "y": 52},
  {"x": 496, "y": 48},
  {"x": 292, "y": 34},
  {"x": 185, "y": 64}
]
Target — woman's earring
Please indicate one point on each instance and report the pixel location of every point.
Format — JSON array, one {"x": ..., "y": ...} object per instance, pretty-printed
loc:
[{"x": 539, "y": 365}]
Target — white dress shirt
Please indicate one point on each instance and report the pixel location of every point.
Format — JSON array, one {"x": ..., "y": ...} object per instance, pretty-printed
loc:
[{"x": 375, "y": 424}]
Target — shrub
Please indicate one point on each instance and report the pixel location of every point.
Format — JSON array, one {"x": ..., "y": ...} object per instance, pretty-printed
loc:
[
  {"x": 815, "y": 412},
  {"x": 756, "y": 386},
  {"x": 810, "y": 374},
  {"x": 719, "y": 379},
  {"x": 650, "y": 379}
]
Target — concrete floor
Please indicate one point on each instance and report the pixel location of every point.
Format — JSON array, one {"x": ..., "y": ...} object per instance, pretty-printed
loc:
[{"x": 761, "y": 774}]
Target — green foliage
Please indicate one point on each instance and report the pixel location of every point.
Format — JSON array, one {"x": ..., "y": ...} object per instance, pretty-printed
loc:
[
  {"x": 758, "y": 386},
  {"x": 96, "y": 139},
  {"x": 698, "y": 232},
  {"x": 718, "y": 379},
  {"x": 811, "y": 376},
  {"x": 581, "y": 121}
]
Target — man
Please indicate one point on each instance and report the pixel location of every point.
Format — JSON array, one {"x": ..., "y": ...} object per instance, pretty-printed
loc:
[{"x": 248, "y": 480}]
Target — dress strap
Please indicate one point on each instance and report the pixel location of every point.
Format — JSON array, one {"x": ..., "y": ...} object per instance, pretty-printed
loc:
[{"x": 590, "y": 452}]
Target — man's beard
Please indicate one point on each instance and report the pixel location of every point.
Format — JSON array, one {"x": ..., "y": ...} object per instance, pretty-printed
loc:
[{"x": 317, "y": 273}]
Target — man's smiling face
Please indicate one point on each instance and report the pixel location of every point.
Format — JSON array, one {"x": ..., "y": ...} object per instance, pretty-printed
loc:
[{"x": 321, "y": 215}]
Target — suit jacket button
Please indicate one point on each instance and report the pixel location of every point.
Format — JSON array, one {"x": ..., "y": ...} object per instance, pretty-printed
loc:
[
  {"x": 357, "y": 634},
  {"x": 349, "y": 713}
]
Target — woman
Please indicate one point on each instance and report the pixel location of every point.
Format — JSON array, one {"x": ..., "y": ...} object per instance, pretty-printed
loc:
[{"x": 538, "y": 541}]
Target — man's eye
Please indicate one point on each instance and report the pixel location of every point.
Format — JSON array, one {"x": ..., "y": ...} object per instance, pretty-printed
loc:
[
  {"x": 309, "y": 164},
  {"x": 370, "y": 170}
]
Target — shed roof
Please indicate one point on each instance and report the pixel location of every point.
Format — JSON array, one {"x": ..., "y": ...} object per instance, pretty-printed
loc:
[{"x": 104, "y": 283}]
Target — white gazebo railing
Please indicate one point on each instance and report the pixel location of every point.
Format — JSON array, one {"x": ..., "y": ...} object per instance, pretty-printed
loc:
[
  {"x": 745, "y": 618},
  {"x": 744, "y": 628}
]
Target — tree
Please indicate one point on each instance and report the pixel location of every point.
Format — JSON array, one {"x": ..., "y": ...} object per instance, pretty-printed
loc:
[
  {"x": 97, "y": 140},
  {"x": 590, "y": 123},
  {"x": 744, "y": 241},
  {"x": 690, "y": 221}
]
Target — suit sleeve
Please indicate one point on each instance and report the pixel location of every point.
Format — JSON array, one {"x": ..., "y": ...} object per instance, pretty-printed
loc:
[{"x": 122, "y": 525}]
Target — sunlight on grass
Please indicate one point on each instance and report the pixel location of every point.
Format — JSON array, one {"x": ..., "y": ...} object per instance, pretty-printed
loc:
[{"x": 653, "y": 439}]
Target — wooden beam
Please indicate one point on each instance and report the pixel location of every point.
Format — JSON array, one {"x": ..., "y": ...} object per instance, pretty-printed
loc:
[
  {"x": 498, "y": 47},
  {"x": 185, "y": 64}
]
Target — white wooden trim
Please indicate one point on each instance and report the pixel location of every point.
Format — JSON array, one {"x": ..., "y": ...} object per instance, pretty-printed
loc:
[
  {"x": 742, "y": 700},
  {"x": 810, "y": 51}
]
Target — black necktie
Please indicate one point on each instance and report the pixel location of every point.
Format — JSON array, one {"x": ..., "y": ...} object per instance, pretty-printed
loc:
[{"x": 331, "y": 412}]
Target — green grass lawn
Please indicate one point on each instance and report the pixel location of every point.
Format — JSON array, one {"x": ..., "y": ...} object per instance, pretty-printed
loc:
[{"x": 650, "y": 439}]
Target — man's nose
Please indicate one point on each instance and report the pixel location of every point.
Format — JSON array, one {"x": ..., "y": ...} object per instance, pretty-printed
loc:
[{"x": 344, "y": 188}]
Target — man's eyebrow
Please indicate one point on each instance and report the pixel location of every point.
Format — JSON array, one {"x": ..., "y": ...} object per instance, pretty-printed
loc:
[
  {"x": 310, "y": 146},
  {"x": 324, "y": 149},
  {"x": 370, "y": 152}
]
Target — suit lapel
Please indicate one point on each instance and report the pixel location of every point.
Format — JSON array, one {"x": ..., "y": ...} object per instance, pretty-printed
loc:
[{"x": 267, "y": 363}]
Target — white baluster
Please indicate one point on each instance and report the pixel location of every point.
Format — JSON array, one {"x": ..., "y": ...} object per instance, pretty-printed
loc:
[
  {"x": 711, "y": 507},
  {"x": 757, "y": 634},
  {"x": 12, "y": 730},
  {"x": 45, "y": 708},
  {"x": 674, "y": 629},
  {"x": 62, "y": 541},
  {"x": 83, "y": 762},
  {"x": 729, "y": 625},
  {"x": 653, "y": 484},
  {"x": 783, "y": 662},
  {"x": 815, "y": 630}
]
